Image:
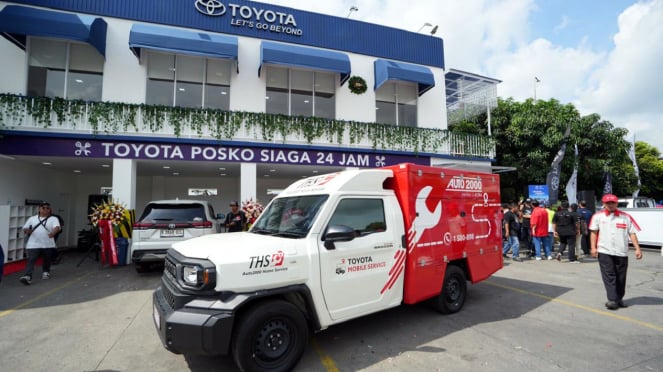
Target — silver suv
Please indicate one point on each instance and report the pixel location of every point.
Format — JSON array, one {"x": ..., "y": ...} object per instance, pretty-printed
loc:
[{"x": 165, "y": 222}]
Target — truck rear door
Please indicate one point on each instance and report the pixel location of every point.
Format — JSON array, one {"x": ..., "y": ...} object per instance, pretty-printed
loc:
[{"x": 363, "y": 275}]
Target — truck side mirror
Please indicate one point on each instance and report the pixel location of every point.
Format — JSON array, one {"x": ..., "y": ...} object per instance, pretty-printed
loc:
[{"x": 337, "y": 233}]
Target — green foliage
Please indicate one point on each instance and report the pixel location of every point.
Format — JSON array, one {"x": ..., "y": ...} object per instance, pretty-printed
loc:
[
  {"x": 119, "y": 118},
  {"x": 529, "y": 134},
  {"x": 651, "y": 170}
]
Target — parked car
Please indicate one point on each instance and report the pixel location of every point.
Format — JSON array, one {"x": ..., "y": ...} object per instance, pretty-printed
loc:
[
  {"x": 639, "y": 202},
  {"x": 164, "y": 222}
]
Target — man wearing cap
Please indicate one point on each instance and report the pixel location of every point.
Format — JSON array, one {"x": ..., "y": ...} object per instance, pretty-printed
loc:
[
  {"x": 610, "y": 232},
  {"x": 40, "y": 230},
  {"x": 235, "y": 219}
]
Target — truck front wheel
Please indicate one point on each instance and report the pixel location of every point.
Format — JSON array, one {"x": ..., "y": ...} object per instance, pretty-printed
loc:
[
  {"x": 454, "y": 291},
  {"x": 271, "y": 336}
]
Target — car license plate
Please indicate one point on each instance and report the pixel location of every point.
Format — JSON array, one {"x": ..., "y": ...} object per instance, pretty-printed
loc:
[
  {"x": 176, "y": 233},
  {"x": 156, "y": 316}
]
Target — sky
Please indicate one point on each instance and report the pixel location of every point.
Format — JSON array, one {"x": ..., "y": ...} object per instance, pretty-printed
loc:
[{"x": 605, "y": 57}]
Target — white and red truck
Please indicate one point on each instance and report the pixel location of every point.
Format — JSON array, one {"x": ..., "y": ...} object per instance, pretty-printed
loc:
[{"x": 329, "y": 249}]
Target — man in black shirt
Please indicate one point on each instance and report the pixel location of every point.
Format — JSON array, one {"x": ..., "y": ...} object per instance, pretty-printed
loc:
[
  {"x": 566, "y": 226},
  {"x": 526, "y": 227},
  {"x": 511, "y": 229},
  {"x": 235, "y": 219}
]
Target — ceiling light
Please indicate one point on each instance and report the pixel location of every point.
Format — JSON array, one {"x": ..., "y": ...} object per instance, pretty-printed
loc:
[
  {"x": 47, "y": 163},
  {"x": 223, "y": 93},
  {"x": 272, "y": 170},
  {"x": 315, "y": 171},
  {"x": 223, "y": 174},
  {"x": 77, "y": 171},
  {"x": 105, "y": 165},
  {"x": 166, "y": 167},
  {"x": 306, "y": 101},
  {"x": 78, "y": 81},
  {"x": 222, "y": 168},
  {"x": 181, "y": 89},
  {"x": 176, "y": 173},
  {"x": 266, "y": 175}
]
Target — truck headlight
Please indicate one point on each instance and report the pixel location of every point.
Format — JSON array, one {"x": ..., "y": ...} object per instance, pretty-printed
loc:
[{"x": 195, "y": 275}]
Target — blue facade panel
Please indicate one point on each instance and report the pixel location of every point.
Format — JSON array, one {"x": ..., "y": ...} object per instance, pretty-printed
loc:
[
  {"x": 16, "y": 22},
  {"x": 181, "y": 41},
  {"x": 269, "y": 22}
]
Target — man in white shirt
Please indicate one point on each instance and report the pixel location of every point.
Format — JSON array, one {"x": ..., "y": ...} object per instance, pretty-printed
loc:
[
  {"x": 40, "y": 230},
  {"x": 610, "y": 232}
]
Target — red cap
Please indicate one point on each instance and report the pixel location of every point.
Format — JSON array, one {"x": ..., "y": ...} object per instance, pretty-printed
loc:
[{"x": 609, "y": 198}]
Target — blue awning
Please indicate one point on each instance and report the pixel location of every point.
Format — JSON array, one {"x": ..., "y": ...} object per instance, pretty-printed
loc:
[
  {"x": 17, "y": 22},
  {"x": 174, "y": 40},
  {"x": 310, "y": 58},
  {"x": 390, "y": 70}
]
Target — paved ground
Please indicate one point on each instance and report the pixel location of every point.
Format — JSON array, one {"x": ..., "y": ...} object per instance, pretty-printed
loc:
[{"x": 531, "y": 316}]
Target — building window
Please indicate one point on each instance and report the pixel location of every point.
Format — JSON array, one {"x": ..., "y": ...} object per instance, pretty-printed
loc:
[
  {"x": 187, "y": 81},
  {"x": 396, "y": 104},
  {"x": 64, "y": 69},
  {"x": 300, "y": 93}
]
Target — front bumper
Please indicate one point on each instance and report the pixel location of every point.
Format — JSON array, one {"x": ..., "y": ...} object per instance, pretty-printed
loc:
[{"x": 191, "y": 330}]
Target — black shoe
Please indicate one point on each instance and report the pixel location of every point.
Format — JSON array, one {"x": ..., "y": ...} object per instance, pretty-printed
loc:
[
  {"x": 621, "y": 303},
  {"x": 26, "y": 279},
  {"x": 612, "y": 305},
  {"x": 505, "y": 255},
  {"x": 517, "y": 259}
]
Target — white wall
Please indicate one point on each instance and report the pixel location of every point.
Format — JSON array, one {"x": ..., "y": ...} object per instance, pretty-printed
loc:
[
  {"x": 21, "y": 181},
  {"x": 124, "y": 77}
]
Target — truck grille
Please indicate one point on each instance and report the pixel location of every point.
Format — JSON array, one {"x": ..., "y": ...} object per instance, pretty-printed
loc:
[
  {"x": 168, "y": 295},
  {"x": 170, "y": 268}
]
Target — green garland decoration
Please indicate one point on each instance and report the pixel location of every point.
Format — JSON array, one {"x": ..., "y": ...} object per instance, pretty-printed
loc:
[
  {"x": 124, "y": 118},
  {"x": 357, "y": 85}
]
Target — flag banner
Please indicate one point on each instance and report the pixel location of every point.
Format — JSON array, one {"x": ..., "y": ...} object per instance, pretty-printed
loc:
[
  {"x": 552, "y": 179},
  {"x": 631, "y": 155},
  {"x": 607, "y": 182},
  {"x": 572, "y": 185}
]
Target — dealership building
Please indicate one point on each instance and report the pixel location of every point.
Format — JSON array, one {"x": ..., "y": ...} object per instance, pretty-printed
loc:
[{"x": 214, "y": 100}]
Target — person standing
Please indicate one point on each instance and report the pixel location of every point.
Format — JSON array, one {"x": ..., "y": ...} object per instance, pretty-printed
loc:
[
  {"x": 539, "y": 222},
  {"x": 525, "y": 226},
  {"x": 610, "y": 232},
  {"x": 586, "y": 215},
  {"x": 511, "y": 231},
  {"x": 2, "y": 262},
  {"x": 235, "y": 219},
  {"x": 566, "y": 228},
  {"x": 41, "y": 231}
]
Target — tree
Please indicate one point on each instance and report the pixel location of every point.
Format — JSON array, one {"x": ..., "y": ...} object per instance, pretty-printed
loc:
[
  {"x": 529, "y": 134},
  {"x": 651, "y": 170}
]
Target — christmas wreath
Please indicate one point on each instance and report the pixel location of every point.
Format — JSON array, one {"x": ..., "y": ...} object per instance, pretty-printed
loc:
[{"x": 357, "y": 85}]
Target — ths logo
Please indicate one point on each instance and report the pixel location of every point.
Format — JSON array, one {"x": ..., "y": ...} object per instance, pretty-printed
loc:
[
  {"x": 275, "y": 259},
  {"x": 210, "y": 7}
]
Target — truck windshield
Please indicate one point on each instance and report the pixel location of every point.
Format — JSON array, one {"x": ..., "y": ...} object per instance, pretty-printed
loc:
[{"x": 289, "y": 217}]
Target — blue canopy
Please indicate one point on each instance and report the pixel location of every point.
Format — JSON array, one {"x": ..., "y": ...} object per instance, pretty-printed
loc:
[
  {"x": 17, "y": 22},
  {"x": 310, "y": 58},
  {"x": 390, "y": 70},
  {"x": 181, "y": 41}
]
